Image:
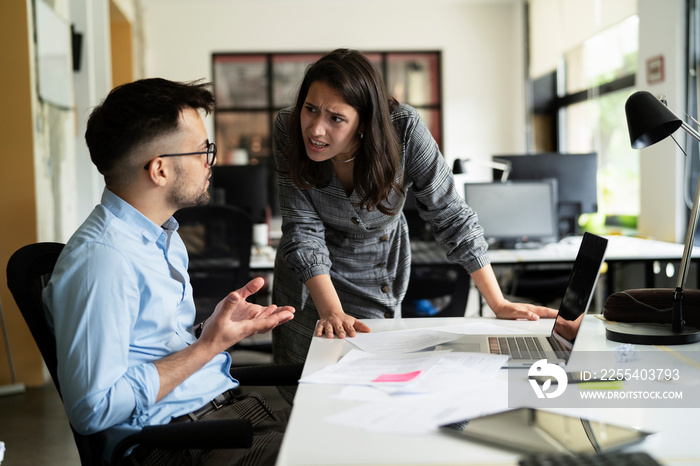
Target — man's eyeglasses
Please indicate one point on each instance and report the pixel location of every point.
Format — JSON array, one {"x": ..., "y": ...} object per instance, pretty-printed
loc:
[{"x": 211, "y": 154}]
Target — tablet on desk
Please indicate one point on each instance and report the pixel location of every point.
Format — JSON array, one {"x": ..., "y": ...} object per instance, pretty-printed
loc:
[{"x": 538, "y": 431}]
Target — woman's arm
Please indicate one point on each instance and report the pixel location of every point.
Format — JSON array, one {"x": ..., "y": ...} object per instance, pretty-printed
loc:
[
  {"x": 486, "y": 282},
  {"x": 333, "y": 320}
]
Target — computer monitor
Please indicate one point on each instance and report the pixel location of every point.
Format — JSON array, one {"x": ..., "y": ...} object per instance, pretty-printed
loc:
[
  {"x": 515, "y": 213},
  {"x": 243, "y": 186},
  {"x": 576, "y": 175}
]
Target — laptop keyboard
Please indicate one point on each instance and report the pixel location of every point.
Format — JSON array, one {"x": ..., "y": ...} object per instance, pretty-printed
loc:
[{"x": 528, "y": 348}]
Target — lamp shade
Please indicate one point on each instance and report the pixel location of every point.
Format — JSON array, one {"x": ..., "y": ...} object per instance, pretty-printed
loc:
[{"x": 648, "y": 120}]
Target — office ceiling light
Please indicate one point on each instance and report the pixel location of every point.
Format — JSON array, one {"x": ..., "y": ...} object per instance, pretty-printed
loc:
[{"x": 649, "y": 121}]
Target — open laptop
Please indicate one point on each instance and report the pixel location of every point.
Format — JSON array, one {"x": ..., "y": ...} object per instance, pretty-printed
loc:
[{"x": 524, "y": 350}]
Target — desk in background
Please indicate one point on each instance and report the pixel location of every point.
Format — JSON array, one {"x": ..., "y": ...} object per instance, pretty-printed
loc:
[
  {"x": 310, "y": 440},
  {"x": 621, "y": 250}
]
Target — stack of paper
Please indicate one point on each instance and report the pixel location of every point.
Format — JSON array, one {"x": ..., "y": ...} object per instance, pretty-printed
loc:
[{"x": 406, "y": 387}]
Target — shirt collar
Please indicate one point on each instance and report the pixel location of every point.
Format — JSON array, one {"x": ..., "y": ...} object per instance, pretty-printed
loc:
[{"x": 128, "y": 214}]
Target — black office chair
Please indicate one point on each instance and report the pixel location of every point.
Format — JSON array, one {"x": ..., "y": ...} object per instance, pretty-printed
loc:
[
  {"x": 442, "y": 288},
  {"x": 28, "y": 272},
  {"x": 218, "y": 240},
  {"x": 246, "y": 187},
  {"x": 542, "y": 286}
]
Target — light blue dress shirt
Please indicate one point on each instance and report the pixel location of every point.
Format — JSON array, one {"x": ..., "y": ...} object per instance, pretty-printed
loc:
[{"x": 119, "y": 299}]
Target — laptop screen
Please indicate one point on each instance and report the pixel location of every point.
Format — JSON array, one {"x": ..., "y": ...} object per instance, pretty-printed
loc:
[{"x": 579, "y": 291}]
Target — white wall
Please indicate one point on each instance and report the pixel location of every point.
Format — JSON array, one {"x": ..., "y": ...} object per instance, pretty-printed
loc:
[
  {"x": 662, "y": 32},
  {"x": 481, "y": 44},
  {"x": 91, "y": 83},
  {"x": 483, "y": 76}
]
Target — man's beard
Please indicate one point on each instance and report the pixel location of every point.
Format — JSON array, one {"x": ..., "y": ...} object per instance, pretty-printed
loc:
[{"x": 181, "y": 199}]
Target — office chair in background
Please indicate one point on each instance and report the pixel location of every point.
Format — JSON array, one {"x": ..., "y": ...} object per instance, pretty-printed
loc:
[
  {"x": 439, "y": 289},
  {"x": 218, "y": 240},
  {"x": 542, "y": 286},
  {"x": 436, "y": 290},
  {"x": 245, "y": 187},
  {"x": 28, "y": 272}
]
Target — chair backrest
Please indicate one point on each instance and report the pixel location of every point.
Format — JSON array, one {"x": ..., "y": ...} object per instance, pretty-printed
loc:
[
  {"x": 218, "y": 240},
  {"x": 445, "y": 285},
  {"x": 243, "y": 186},
  {"x": 28, "y": 272}
]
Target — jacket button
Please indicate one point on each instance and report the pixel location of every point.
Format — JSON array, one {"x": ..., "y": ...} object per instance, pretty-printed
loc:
[
  {"x": 384, "y": 238},
  {"x": 386, "y": 289},
  {"x": 381, "y": 264},
  {"x": 355, "y": 220}
]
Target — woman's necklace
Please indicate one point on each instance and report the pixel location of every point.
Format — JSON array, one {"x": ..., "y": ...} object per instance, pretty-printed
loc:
[{"x": 345, "y": 161}]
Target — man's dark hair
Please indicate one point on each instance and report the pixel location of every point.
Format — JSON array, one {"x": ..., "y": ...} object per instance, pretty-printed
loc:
[{"x": 136, "y": 113}]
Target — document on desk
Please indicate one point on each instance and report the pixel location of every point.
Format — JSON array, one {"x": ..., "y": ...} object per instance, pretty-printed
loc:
[
  {"x": 401, "y": 341},
  {"x": 460, "y": 386},
  {"x": 417, "y": 372},
  {"x": 404, "y": 387},
  {"x": 406, "y": 341},
  {"x": 359, "y": 368}
]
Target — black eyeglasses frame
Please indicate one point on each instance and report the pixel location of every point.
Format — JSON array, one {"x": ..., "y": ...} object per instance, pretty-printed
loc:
[{"x": 211, "y": 154}]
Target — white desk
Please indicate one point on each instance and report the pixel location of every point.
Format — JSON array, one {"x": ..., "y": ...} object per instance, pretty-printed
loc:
[
  {"x": 621, "y": 249},
  {"x": 310, "y": 440}
]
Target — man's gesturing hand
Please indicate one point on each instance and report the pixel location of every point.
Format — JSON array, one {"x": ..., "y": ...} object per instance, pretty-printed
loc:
[{"x": 235, "y": 318}]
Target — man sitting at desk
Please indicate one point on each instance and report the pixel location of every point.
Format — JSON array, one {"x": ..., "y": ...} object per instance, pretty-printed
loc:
[{"x": 120, "y": 296}]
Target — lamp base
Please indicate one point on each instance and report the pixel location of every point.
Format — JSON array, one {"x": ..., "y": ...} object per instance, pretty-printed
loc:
[
  {"x": 12, "y": 389},
  {"x": 651, "y": 334}
]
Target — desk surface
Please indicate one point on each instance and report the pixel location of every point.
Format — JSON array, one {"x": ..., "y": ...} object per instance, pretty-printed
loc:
[{"x": 311, "y": 440}]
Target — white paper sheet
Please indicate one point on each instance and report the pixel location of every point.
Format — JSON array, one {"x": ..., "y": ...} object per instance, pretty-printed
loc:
[
  {"x": 359, "y": 368},
  {"x": 423, "y": 413},
  {"x": 401, "y": 341},
  {"x": 405, "y": 341},
  {"x": 402, "y": 390}
]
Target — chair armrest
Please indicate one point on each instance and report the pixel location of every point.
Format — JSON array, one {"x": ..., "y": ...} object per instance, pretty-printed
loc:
[
  {"x": 207, "y": 435},
  {"x": 268, "y": 374}
]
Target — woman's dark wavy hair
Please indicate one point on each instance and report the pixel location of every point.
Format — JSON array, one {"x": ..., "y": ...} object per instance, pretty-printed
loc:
[
  {"x": 135, "y": 113},
  {"x": 377, "y": 167}
]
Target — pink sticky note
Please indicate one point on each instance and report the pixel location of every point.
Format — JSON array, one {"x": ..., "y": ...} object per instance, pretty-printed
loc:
[{"x": 397, "y": 377}]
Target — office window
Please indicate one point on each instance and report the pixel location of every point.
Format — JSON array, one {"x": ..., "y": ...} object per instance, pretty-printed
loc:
[
  {"x": 250, "y": 89},
  {"x": 599, "y": 76},
  {"x": 580, "y": 109}
]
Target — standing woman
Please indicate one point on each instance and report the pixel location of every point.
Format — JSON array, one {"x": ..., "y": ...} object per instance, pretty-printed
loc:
[{"x": 346, "y": 155}]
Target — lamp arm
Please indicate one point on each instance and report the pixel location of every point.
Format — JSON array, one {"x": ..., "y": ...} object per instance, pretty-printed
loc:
[
  {"x": 677, "y": 319},
  {"x": 689, "y": 129}
]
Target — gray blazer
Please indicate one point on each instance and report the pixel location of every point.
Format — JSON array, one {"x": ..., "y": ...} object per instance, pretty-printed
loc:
[{"x": 366, "y": 253}]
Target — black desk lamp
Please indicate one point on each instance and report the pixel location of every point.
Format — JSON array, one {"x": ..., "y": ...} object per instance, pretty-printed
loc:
[{"x": 649, "y": 121}]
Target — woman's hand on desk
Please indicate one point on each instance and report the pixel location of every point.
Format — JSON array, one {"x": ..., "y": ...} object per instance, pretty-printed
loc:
[
  {"x": 340, "y": 325},
  {"x": 333, "y": 320},
  {"x": 486, "y": 281},
  {"x": 509, "y": 310}
]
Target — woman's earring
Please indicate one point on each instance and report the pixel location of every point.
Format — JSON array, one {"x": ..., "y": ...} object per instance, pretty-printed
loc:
[{"x": 362, "y": 135}]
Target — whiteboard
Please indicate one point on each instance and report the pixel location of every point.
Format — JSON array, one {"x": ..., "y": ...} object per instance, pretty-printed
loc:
[{"x": 54, "y": 57}]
